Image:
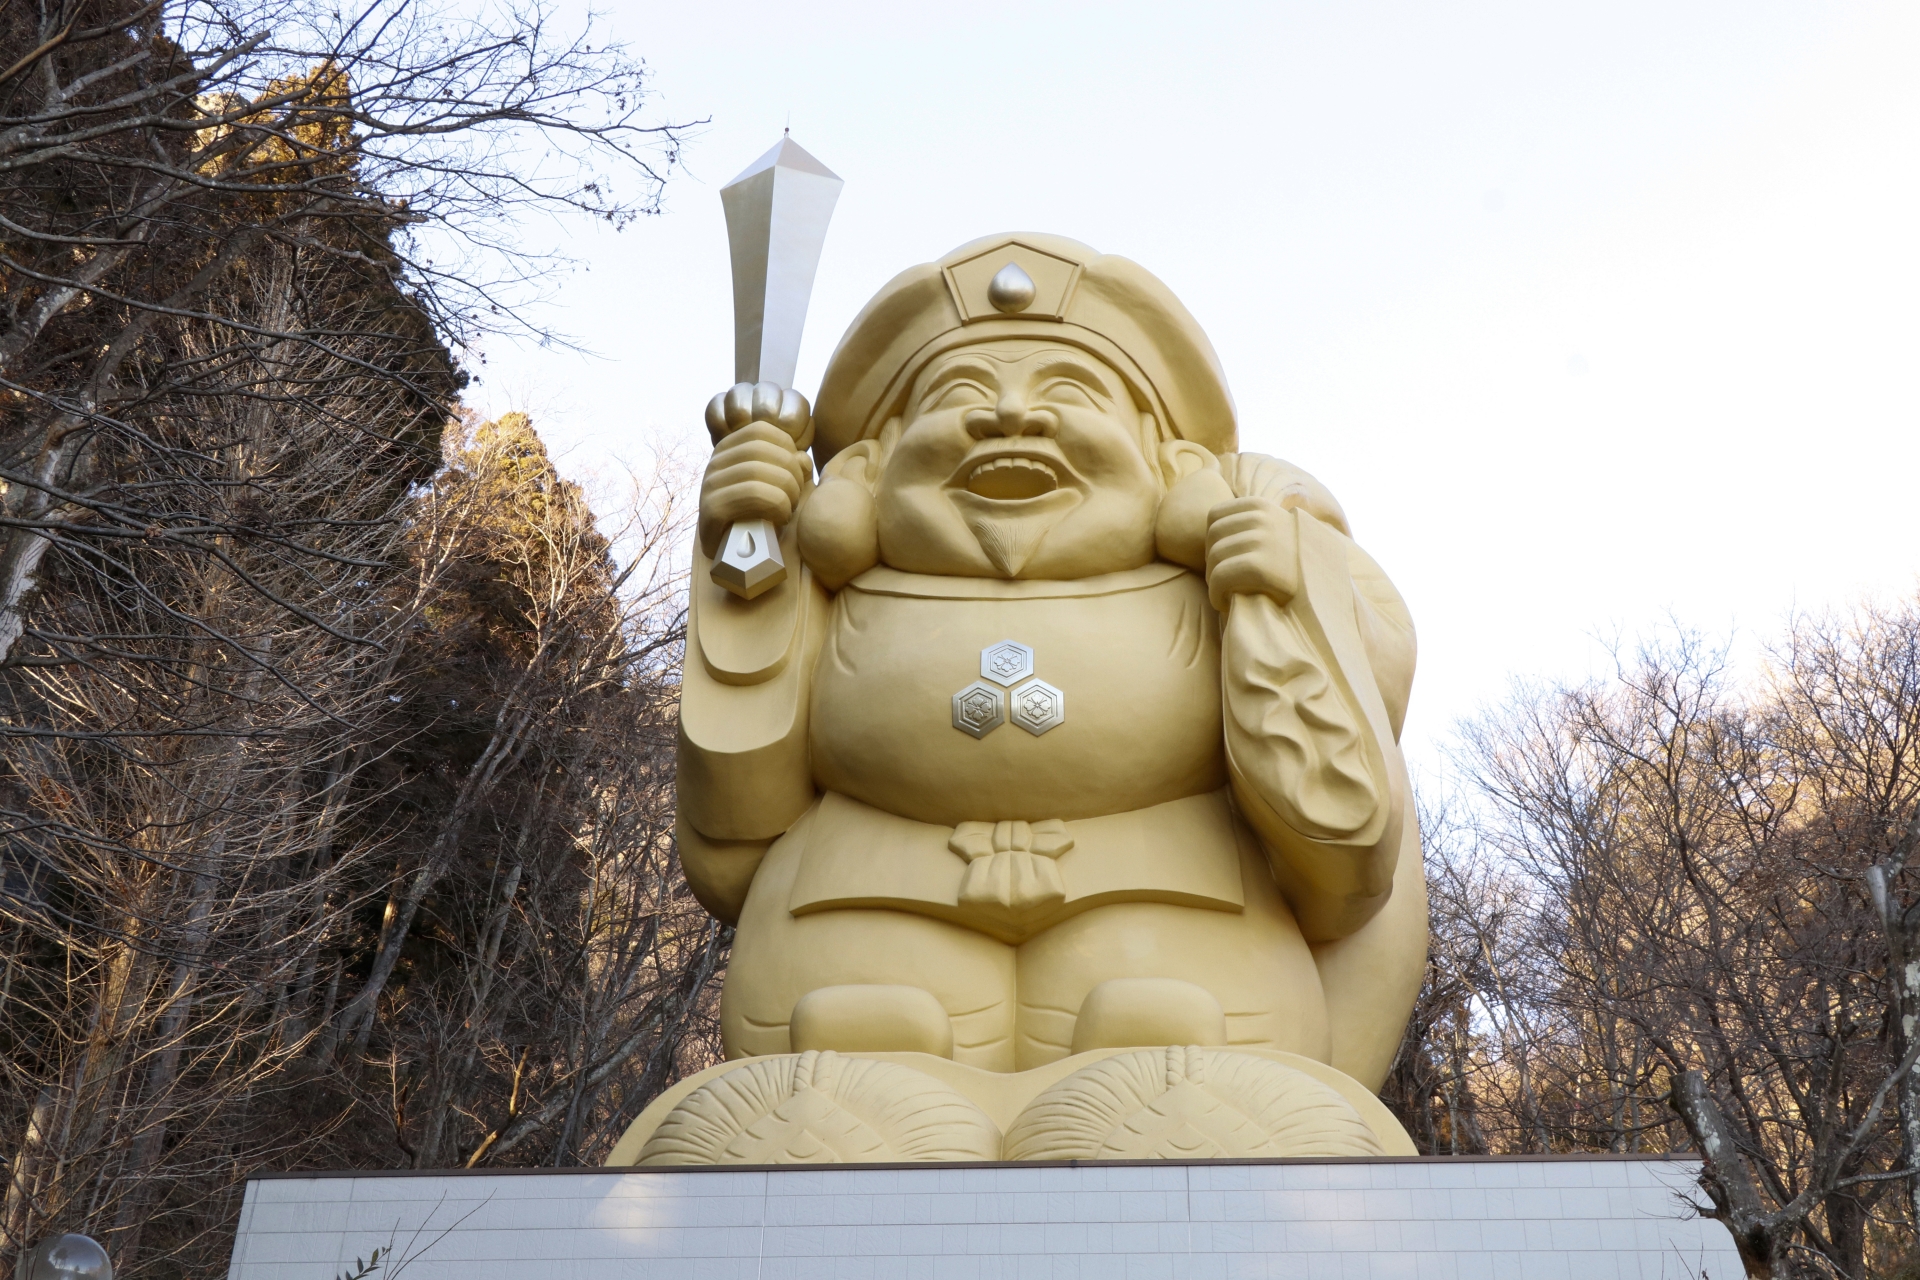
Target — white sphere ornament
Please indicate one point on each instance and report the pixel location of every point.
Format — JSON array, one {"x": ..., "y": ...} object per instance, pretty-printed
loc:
[{"x": 69, "y": 1257}]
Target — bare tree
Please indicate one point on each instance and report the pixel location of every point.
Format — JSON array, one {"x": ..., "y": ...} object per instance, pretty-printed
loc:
[
  {"x": 204, "y": 870},
  {"x": 179, "y": 820},
  {"x": 1436, "y": 1080},
  {"x": 1713, "y": 929},
  {"x": 1848, "y": 692},
  {"x": 239, "y": 246},
  {"x": 149, "y": 153}
]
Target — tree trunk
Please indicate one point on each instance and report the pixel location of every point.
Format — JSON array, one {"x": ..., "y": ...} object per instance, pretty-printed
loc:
[
  {"x": 1724, "y": 1176},
  {"x": 1902, "y": 931}
]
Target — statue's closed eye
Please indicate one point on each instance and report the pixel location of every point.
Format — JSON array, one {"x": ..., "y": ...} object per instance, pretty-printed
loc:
[
  {"x": 956, "y": 395},
  {"x": 1065, "y": 391}
]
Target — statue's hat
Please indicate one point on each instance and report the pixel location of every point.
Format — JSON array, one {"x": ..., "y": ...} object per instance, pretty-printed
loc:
[{"x": 1026, "y": 286}]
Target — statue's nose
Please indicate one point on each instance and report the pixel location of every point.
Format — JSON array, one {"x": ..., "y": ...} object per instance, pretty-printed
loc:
[{"x": 1011, "y": 418}]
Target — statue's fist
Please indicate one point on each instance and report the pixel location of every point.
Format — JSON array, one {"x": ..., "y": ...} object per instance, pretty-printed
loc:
[
  {"x": 746, "y": 402},
  {"x": 759, "y": 469},
  {"x": 1253, "y": 548}
]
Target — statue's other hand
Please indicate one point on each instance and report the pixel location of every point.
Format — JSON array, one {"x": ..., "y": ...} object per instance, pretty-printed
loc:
[
  {"x": 759, "y": 469},
  {"x": 1253, "y": 548}
]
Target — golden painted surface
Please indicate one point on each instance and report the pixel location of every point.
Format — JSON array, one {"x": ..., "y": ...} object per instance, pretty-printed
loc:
[{"x": 1072, "y": 725}]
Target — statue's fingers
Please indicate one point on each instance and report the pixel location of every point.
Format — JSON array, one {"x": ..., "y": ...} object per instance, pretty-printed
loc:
[
  {"x": 1233, "y": 525},
  {"x": 792, "y": 417},
  {"x": 1263, "y": 530},
  {"x": 755, "y": 471},
  {"x": 739, "y": 404},
  {"x": 796, "y": 419},
  {"x": 766, "y": 401},
  {"x": 749, "y": 500},
  {"x": 756, "y": 440},
  {"x": 1252, "y": 543},
  {"x": 764, "y": 432},
  {"x": 1236, "y": 507},
  {"x": 764, "y": 443},
  {"x": 759, "y": 437},
  {"x": 717, "y": 417},
  {"x": 1239, "y": 576},
  {"x": 1221, "y": 588}
]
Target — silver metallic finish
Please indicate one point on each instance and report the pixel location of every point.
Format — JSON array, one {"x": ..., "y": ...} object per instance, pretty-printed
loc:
[
  {"x": 979, "y": 709},
  {"x": 750, "y": 563},
  {"x": 1008, "y": 662},
  {"x": 777, "y": 215},
  {"x": 1011, "y": 290},
  {"x": 68, "y": 1257},
  {"x": 1038, "y": 707}
]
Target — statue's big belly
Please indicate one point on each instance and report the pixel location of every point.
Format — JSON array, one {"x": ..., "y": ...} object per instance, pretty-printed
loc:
[{"x": 1139, "y": 666}]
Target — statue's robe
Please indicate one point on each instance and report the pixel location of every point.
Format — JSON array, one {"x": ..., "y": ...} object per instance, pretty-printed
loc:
[{"x": 1224, "y": 801}]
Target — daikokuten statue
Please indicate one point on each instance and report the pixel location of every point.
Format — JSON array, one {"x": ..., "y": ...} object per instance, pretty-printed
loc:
[{"x": 1062, "y": 769}]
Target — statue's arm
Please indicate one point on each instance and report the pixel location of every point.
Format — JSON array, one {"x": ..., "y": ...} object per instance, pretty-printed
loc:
[
  {"x": 1316, "y": 671},
  {"x": 742, "y": 762}
]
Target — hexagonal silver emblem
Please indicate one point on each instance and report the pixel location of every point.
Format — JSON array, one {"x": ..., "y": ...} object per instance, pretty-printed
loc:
[
  {"x": 979, "y": 709},
  {"x": 1038, "y": 707},
  {"x": 750, "y": 564},
  {"x": 1008, "y": 662}
]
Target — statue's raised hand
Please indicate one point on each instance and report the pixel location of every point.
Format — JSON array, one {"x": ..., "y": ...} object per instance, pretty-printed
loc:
[{"x": 759, "y": 469}]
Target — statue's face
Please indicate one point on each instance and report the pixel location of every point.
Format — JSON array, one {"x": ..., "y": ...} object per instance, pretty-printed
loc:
[{"x": 1019, "y": 459}]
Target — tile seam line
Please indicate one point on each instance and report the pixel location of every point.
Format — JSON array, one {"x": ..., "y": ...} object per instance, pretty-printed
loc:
[
  {"x": 1188, "y": 1179},
  {"x": 1678, "y": 1157},
  {"x": 760, "y": 1256}
]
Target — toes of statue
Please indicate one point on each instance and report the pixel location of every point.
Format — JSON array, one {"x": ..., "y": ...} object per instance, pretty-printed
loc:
[{"x": 871, "y": 1018}]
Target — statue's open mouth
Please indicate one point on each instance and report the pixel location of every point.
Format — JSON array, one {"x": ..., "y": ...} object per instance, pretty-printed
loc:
[{"x": 1009, "y": 479}]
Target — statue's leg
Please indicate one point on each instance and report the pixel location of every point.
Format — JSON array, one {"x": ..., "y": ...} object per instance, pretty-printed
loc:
[
  {"x": 1253, "y": 962},
  {"x": 778, "y": 958}
]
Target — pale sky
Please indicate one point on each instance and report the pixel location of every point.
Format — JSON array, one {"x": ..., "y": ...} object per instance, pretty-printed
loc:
[{"x": 1590, "y": 314}]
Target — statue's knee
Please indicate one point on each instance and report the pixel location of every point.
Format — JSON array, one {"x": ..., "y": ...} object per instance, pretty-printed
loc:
[
  {"x": 1123, "y": 1013},
  {"x": 871, "y": 1018}
]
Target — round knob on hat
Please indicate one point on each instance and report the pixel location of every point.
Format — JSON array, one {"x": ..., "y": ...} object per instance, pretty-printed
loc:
[{"x": 1011, "y": 290}]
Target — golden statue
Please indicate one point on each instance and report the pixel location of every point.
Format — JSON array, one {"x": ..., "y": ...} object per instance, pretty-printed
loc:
[{"x": 1054, "y": 787}]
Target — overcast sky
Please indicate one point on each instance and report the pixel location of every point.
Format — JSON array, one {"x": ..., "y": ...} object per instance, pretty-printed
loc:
[{"x": 1590, "y": 314}]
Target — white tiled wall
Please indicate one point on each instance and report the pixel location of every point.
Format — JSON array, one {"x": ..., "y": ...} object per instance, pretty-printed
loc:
[{"x": 1417, "y": 1220}]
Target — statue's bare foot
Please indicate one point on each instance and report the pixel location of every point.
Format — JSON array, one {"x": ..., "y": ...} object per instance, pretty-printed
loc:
[
  {"x": 1122, "y": 1013},
  {"x": 871, "y": 1018}
]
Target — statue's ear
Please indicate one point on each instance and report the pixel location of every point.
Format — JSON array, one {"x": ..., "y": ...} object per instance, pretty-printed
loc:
[
  {"x": 839, "y": 526},
  {"x": 888, "y": 438},
  {"x": 1195, "y": 486},
  {"x": 858, "y": 462},
  {"x": 1181, "y": 458}
]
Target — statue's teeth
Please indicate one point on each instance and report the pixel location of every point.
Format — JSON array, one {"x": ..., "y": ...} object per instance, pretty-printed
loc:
[
  {"x": 1039, "y": 478},
  {"x": 999, "y": 464}
]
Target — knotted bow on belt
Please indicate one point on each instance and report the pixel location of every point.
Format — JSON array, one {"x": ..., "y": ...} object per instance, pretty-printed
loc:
[
  {"x": 855, "y": 857},
  {"x": 1010, "y": 867}
]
